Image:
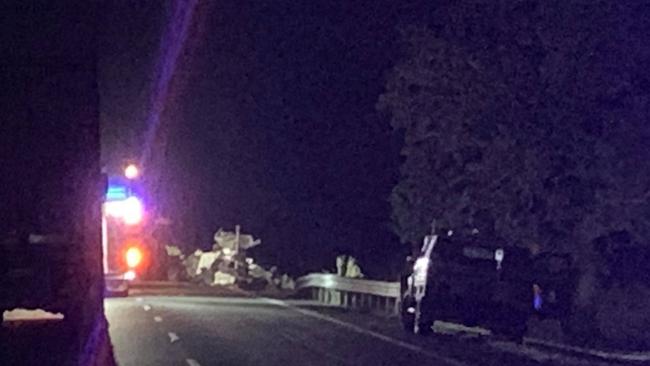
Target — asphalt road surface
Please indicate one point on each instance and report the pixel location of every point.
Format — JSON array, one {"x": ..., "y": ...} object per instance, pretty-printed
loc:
[{"x": 239, "y": 330}]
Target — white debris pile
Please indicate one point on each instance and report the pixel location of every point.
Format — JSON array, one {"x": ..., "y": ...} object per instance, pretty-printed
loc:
[
  {"x": 20, "y": 314},
  {"x": 226, "y": 264},
  {"x": 223, "y": 279}
]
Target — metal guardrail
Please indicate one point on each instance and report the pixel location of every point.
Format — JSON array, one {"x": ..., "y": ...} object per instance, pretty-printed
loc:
[
  {"x": 335, "y": 290},
  {"x": 334, "y": 282},
  {"x": 379, "y": 295}
]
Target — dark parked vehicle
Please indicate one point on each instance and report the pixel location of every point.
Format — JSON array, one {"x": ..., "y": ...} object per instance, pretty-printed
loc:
[{"x": 482, "y": 281}]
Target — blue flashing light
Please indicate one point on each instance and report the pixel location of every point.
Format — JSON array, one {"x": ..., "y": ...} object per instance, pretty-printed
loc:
[{"x": 116, "y": 193}]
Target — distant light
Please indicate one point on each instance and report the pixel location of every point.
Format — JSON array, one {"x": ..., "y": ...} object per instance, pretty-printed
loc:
[
  {"x": 133, "y": 257},
  {"x": 226, "y": 251},
  {"x": 132, "y": 211},
  {"x": 129, "y": 275},
  {"x": 131, "y": 171}
]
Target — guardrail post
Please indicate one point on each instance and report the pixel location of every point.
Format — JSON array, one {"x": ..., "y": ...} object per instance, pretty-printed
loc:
[
  {"x": 337, "y": 298},
  {"x": 390, "y": 307}
]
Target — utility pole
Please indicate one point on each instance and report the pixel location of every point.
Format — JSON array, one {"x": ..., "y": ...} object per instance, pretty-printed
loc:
[{"x": 237, "y": 230}]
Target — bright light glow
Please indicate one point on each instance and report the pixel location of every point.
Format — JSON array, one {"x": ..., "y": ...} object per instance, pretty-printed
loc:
[
  {"x": 131, "y": 171},
  {"x": 328, "y": 281},
  {"x": 132, "y": 211},
  {"x": 114, "y": 209},
  {"x": 498, "y": 255},
  {"x": 420, "y": 270},
  {"x": 421, "y": 264},
  {"x": 226, "y": 251},
  {"x": 133, "y": 257},
  {"x": 129, "y": 275}
]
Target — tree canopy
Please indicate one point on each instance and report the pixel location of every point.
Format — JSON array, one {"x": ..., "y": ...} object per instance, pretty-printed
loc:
[
  {"x": 529, "y": 120},
  {"x": 524, "y": 118}
]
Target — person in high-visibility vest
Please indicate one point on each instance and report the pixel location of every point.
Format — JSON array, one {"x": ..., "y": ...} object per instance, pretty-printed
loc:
[{"x": 341, "y": 265}]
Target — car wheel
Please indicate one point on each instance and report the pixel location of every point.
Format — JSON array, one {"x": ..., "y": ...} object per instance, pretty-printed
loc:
[
  {"x": 407, "y": 314},
  {"x": 513, "y": 330}
]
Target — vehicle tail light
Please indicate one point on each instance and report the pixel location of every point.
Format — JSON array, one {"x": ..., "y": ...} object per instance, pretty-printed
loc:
[{"x": 133, "y": 257}]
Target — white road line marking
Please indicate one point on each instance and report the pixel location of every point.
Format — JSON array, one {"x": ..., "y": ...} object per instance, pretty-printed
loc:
[
  {"x": 541, "y": 356},
  {"x": 192, "y": 362},
  {"x": 146, "y": 307},
  {"x": 358, "y": 329},
  {"x": 173, "y": 337},
  {"x": 619, "y": 356},
  {"x": 157, "y": 319},
  {"x": 305, "y": 345}
]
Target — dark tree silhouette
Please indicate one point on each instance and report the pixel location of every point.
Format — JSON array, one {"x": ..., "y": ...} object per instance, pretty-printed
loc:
[{"x": 530, "y": 119}]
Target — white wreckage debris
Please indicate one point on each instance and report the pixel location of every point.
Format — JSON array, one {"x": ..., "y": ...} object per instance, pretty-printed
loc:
[
  {"x": 226, "y": 264},
  {"x": 347, "y": 266},
  {"x": 24, "y": 315},
  {"x": 223, "y": 279}
]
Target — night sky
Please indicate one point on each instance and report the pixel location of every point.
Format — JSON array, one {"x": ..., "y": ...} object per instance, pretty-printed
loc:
[{"x": 270, "y": 122}]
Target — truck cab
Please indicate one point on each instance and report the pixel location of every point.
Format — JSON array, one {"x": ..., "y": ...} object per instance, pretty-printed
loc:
[{"x": 122, "y": 236}]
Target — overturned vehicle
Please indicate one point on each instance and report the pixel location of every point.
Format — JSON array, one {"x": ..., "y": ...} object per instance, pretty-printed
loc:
[
  {"x": 226, "y": 264},
  {"x": 483, "y": 281}
]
